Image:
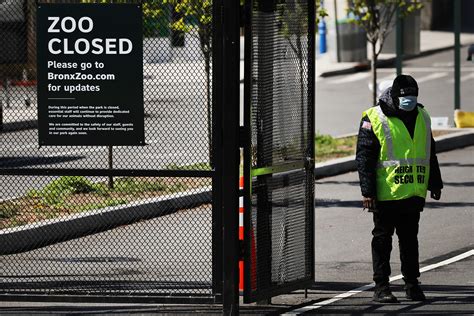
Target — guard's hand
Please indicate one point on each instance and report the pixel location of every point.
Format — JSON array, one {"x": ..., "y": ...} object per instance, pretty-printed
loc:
[
  {"x": 369, "y": 203},
  {"x": 436, "y": 194}
]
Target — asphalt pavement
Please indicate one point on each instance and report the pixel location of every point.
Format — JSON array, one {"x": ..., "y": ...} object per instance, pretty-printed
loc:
[
  {"x": 343, "y": 260},
  {"x": 340, "y": 100}
]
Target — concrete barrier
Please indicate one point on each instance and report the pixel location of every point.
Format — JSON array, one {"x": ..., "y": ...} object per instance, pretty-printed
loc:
[{"x": 463, "y": 119}]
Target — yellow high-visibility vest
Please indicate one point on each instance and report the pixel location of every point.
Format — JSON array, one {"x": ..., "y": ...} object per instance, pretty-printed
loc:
[{"x": 403, "y": 166}]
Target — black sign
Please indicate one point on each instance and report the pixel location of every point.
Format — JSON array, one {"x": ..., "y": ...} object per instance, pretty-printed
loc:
[{"x": 90, "y": 74}]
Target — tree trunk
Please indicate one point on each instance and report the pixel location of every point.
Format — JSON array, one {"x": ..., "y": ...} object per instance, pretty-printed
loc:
[
  {"x": 209, "y": 108},
  {"x": 205, "y": 44},
  {"x": 374, "y": 74}
]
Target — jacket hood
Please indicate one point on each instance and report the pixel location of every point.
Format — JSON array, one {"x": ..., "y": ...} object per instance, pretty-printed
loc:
[
  {"x": 390, "y": 108},
  {"x": 387, "y": 104}
]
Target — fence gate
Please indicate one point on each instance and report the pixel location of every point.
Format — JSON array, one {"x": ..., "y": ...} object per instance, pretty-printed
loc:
[
  {"x": 121, "y": 221},
  {"x": 279, "y": 156}
]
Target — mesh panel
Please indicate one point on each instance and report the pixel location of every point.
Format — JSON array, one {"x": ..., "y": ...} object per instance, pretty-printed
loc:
[
  {"x": 280, "y": 72},
  {"x": 280, "y": 217},
  {"x": 177, "y": 96},
  {"x": 103, "y": 235},
  {"x": 170, "y": 252},
  {"x": 279, "y": 244}
]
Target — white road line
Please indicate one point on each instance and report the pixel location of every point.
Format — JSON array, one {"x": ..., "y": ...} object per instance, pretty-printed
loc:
[
  {"x": 464, "y": 78},
  {"x": 350, "y": 78},
  {"x": 434, "y": 76},
  {"x": 371, "y": 285},
  {"x": 408, "y": 70}
]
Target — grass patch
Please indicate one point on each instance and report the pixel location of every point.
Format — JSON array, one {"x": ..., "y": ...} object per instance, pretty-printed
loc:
[
  {"x": 200, "y": 166},
  {"x": 328, "y": 147},
  {"x": 74, "y": 194}
]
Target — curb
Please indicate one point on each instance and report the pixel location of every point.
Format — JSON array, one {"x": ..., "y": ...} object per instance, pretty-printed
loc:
[
  {"x": 383, "y": 63},
  {"x": 19, "y": 239},
  {"x": 348, "y": 164},
  {"x": 18, "y": 126}
]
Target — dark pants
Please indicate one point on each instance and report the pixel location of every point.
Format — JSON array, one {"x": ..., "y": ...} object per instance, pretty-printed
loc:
[{"x": 406, "y": 226}]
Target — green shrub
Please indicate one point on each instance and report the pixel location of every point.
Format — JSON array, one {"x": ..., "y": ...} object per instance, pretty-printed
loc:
[
  {"x": 8, "y": 210},
  {"x": 328, "y": 147},
  {"x": 54, "y": 193},
  {"x": 134, "y": 185}
]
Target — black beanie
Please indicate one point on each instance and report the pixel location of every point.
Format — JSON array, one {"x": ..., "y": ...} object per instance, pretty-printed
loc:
[{"x": 404, "y": 85}]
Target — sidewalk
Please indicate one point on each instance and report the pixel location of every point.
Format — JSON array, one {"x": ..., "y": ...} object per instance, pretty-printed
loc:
[{"x": 430, "y": 42}]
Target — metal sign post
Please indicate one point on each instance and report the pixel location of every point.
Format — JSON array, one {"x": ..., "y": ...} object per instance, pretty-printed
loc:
[
  {"x": 457, "y": 54},
  {"x": 229, "y": 101}
]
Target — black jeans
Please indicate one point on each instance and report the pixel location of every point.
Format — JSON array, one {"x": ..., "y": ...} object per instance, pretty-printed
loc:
[{"x": 406, "y": 226}]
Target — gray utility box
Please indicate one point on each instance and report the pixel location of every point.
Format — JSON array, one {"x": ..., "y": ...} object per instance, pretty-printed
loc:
[
  {"x": 352, "y": 43},
  {"x": 411, "y": 36}
]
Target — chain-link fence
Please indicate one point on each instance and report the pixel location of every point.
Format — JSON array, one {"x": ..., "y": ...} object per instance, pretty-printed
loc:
[
  {"x": 122, "y": 220},
  {"x": 148, "y": 219}
]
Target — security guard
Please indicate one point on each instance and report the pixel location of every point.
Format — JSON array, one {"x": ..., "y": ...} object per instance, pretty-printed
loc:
[{"x": 397, "y": 164}]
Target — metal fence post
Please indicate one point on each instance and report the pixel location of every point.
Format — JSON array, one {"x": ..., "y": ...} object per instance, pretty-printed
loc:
[
  {"x": 399, "y": 42},
  {"x": 457, "y": 54},
  {"x": 217, "y": 180},
  {"x": 311, "y": 127},
  {"x": 7, "y": 93},
  {"x": 230, "y": 146}
]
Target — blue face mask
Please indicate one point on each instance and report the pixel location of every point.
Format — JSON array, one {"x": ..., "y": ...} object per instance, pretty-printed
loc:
[{"x": 407, "y": 103}]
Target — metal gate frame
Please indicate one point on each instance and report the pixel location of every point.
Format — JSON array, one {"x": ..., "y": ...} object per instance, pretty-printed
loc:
[
  {"x": 227, "y": 140},
  {"x": 253, "y": 175},
  {"x": 224, "y": 194}
]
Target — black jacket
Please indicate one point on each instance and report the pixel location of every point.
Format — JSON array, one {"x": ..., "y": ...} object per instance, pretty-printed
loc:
[{"x": 368, "y": 149}]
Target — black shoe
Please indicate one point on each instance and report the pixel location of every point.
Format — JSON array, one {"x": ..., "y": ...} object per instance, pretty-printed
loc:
[
  {"x": 384, "y": 295},
  {"x": 414, "y": 292}
]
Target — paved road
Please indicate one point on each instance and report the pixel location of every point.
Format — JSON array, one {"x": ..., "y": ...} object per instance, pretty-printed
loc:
[
  {"x": 175, "y": 125},
  {"x": 343, "y": 235},
  {"x": 176, "y": 129},
  {"x": 148, "y": 256},
  {"x": 341, "y": 100},
  {"x": 343, "y": 260}
]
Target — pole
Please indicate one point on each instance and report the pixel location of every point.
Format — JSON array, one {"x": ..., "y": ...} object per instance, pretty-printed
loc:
[
  {"x": 111, "y": 166},
  {"x": 338, "y": 53},
  {"x": 217, "y": 150},
  {"x": 7, "y": 93},
  {"x": 231, "y": 157},
  {"x": 457, "y": 54},
  {"x": 399, "y": 42}
]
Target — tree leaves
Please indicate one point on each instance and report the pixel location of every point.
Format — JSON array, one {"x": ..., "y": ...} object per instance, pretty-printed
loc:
[{"x": 376, "y": 16}]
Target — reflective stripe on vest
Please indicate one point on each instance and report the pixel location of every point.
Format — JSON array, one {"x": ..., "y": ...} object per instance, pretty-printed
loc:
[
  {"x": 392, "y": 161},
  {"x": 402, "y": 171}
]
